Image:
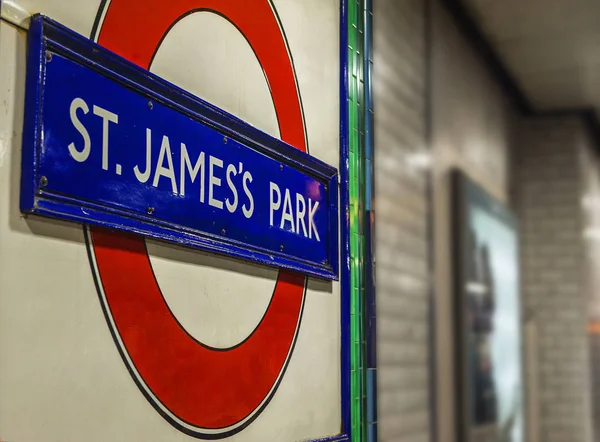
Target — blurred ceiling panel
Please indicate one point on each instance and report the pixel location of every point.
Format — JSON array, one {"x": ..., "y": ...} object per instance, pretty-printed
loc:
[{"x": 551, "y": 47}]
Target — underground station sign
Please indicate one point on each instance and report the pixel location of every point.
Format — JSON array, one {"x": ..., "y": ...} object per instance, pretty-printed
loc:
[{"x": 107, "y": 143}]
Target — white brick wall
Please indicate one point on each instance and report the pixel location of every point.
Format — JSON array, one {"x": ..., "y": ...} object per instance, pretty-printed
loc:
[
  {"x": 590, "y": 163},
  {"x": 401, "y": 229},
  {"x": 548, "y": 194},
  {"x": 595, "y": 359},
  {"x": 472, "y": 125},
  {"x": 472, "y": 128}
]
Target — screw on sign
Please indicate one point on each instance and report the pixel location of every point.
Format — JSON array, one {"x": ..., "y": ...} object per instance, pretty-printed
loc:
[{"x": 199, "y": 404}]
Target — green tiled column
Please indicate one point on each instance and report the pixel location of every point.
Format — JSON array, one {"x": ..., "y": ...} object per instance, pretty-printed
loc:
[{"x": 357, "y": 196}]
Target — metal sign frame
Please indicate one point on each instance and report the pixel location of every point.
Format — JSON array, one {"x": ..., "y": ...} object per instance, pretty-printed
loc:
[{"x": 47, "y": 39}]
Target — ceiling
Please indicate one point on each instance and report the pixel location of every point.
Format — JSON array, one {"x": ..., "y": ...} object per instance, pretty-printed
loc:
[{"x": 551, "y": 48}]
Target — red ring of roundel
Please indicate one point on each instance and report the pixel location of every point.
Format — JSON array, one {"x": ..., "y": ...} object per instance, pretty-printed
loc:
[{"x": 195, "y": 387}]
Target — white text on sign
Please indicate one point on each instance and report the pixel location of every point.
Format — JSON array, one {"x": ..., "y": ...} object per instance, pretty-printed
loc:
[{"x": 294, "y": 213}]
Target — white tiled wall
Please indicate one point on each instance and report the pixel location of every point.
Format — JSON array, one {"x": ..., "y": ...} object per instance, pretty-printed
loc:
[
  {"x": 471, "y": 129},
  {"x": 401, "y": 206},
  {"x": 551, "y": 158},
  {"x": 471, "y": 125},
  {"x": 591, "y": 237}
]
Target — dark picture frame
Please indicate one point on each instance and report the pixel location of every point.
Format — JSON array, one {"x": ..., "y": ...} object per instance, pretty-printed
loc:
[{"x": 490, "y": 396}]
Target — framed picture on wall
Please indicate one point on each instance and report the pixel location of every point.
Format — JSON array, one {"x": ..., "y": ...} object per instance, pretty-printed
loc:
[{"x": 490, "y": 393}]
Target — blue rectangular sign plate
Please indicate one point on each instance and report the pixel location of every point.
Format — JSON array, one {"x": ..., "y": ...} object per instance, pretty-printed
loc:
[{"x": 107, "y": 143}]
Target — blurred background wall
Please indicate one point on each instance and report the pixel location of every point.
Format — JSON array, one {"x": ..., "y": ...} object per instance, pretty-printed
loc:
[
  {"x": 401, "y": 199},
  {"x": 471, "y": 129},
  {"x": 552, "y": 159},
  {"x": 441, "y": 104}
]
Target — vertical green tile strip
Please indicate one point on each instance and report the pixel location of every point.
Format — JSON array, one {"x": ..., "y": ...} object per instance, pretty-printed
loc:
[
  {"x": 370, "y": 302},
  {"x": 356, "y": 138}
]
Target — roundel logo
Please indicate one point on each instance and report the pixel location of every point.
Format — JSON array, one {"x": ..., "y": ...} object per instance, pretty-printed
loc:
[{"x": 203, "y": 391}]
